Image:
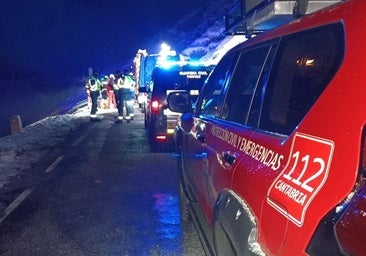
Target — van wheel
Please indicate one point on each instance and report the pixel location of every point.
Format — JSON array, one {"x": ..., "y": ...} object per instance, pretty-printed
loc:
[
  {"x": 222, "y": 242},
  {"x": 183, "y": 205}
]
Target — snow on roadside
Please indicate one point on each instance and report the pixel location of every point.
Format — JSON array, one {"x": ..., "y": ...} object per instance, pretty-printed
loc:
[{"x": 19, "y": 152}]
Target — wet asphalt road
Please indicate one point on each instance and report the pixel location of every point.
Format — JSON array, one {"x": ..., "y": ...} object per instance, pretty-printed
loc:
[{"x": 107, "y": 193}]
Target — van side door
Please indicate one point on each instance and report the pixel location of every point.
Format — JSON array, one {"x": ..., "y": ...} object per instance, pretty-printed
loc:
[
  {"x": 194, "y": 149},
  {"x": 229, "y": 133}
]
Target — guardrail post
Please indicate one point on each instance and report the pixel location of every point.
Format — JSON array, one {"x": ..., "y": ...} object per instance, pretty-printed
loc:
[{"x": 16, "y": 124}]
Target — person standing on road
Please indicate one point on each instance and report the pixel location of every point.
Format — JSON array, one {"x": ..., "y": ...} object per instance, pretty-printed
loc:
[
  {"x": 117, "y": 87},
  {"x": 94, "y": 86},
  {"x": 129, "y": 85},
  {"x": 110, "y": 93}
]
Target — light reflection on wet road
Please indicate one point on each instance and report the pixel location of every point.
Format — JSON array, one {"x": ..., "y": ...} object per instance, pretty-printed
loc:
[
  {"x": 109, "y": 196},
  {"x": 168, "y": 222}
]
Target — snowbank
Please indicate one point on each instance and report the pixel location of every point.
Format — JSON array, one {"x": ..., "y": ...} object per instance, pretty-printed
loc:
[{"x": 19, "y": 152}]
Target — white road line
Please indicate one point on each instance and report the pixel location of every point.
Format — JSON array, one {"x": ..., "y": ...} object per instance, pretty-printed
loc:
[
  {"x": 54, "y": 164},
  {"x": 78, "y": 140},
  {"x": 15, "y": 203}
]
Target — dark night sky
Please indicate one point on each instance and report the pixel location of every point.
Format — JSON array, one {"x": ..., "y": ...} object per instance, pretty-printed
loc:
[{"x": 68, "y": 36}]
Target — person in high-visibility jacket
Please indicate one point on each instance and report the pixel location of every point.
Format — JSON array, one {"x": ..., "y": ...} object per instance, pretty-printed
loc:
[
  {"x": 129, "y": 83},
  {"x": 122, "y": 91},
  {"x": 117, "y": 88},
  {"x": 94, "y": 86}
]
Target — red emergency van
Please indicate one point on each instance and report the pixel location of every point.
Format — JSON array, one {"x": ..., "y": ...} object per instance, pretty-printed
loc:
[{"x": 272, "y": 158}]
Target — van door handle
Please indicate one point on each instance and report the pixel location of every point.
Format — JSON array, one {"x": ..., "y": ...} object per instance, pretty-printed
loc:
[
  {"x": 226, "y": 159},
  {"x": 229, "y": 157},
  {"x": 201, "y": 138}
]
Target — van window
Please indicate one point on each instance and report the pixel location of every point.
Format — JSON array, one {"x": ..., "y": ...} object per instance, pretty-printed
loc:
[
  {"x": 243, "y": 84},
  {"x": 213, "y": 91},
  {"x": 187, "y": 78},
  {"x": 304, "y": 65}
]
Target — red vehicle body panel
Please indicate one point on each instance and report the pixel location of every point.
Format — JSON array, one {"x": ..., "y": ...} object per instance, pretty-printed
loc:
[
  {"x": 339, "y": 125},
  {"x": 291, "y": 182}
]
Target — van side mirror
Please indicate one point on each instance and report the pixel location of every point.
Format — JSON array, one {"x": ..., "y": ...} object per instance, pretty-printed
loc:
[{"x": 180, "y": 102}]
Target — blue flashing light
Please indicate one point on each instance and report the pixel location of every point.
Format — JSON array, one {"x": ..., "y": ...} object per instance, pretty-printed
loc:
[{"x": 168, "y": 64}]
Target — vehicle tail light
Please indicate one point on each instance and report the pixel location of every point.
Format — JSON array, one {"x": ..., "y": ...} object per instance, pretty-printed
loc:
[
  {"x": 154, "y": 106},
  {"x": 161, "y": 137}
]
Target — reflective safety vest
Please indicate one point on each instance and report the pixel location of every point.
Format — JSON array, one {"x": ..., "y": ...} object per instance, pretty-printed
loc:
[
  {"x": 129, "y": 83},
  {"x": 94, "y": 84},
  {"x": 126, "y": 83},
  {"x": 119, "y": 84}
]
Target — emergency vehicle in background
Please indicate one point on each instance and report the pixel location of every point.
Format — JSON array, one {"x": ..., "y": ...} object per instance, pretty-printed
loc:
[
  {"x": 273, "y": 157},
  {"x": 144, "y": 64},
  {"x": 170, "y": 77},
  {"x": 156, "y": 76}
]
